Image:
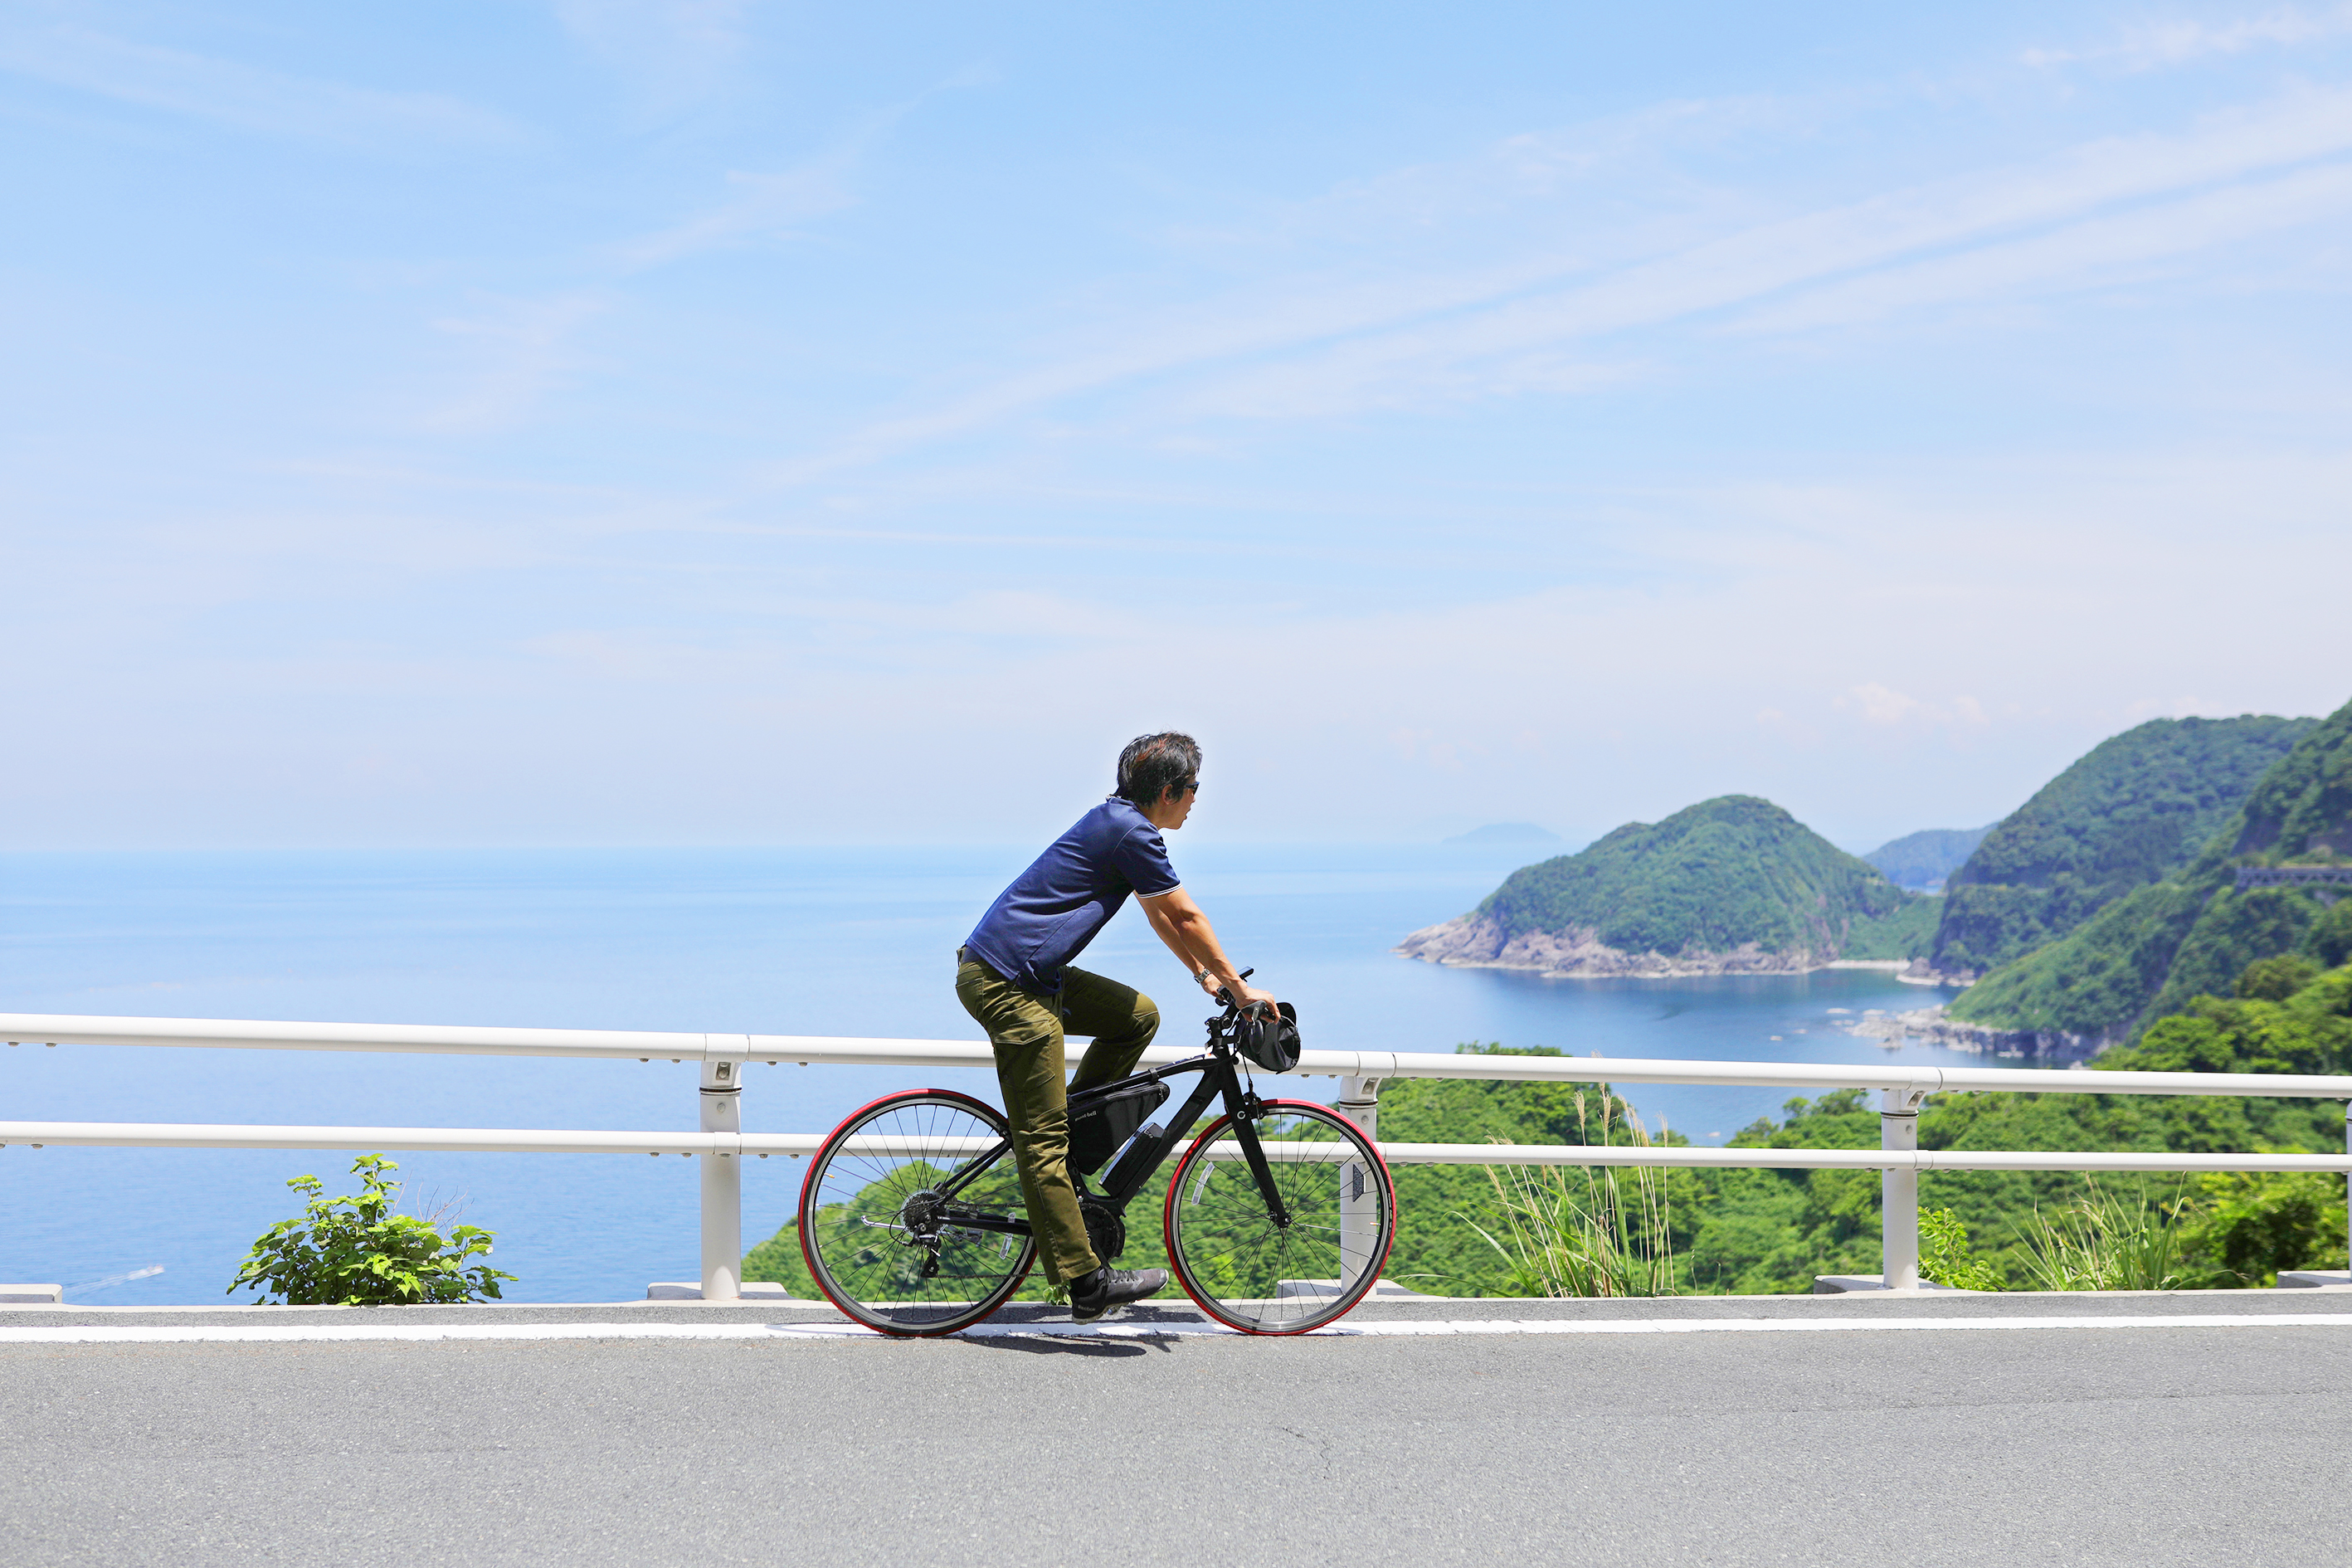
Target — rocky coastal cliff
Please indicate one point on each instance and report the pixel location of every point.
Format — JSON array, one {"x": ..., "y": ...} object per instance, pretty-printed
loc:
[
  {"x": 1932, "y": 1025},
  {"x": 1479, "y": 941}
]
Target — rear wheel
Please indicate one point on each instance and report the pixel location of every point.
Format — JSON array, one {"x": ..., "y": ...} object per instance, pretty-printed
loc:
[
  {"x": 881, "y": 1237},
  {"x": 1265, "y": 1278}
]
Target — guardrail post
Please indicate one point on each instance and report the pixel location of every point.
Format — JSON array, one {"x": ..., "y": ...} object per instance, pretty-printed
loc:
[
  {"x": 1359, "y": 1102},
  {"x": 1898, "y": 1191},
  {"x": 722, "y": 1183}
]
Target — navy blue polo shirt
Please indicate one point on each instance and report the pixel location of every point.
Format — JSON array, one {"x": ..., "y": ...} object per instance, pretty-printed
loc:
[{"x": 1070, "y": 893}]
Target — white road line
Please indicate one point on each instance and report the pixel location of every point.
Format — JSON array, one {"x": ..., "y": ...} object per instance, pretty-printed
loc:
[{"x": 242, "y": 1333}]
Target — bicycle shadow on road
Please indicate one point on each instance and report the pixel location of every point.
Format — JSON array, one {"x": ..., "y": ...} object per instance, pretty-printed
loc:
[{"x": 1056, "y": 1344}]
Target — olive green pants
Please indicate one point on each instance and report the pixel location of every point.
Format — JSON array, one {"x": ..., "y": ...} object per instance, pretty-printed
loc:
[{"x": 1027, "y": 1028}]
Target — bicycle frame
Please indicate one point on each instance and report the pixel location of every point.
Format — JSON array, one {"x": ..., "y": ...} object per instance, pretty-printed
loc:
[
  {"x": 910, "y": 1224},
  {"x": 1220, "y": 1078}
]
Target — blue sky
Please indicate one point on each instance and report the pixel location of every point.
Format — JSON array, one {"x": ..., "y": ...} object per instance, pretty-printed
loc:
[{"x": 716, "y": 422}]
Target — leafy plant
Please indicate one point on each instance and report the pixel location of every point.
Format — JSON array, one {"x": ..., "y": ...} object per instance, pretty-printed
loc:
[
  {"x": 1598, "y": 1232},
  {"x": 2103, "y": 1241},
  {"x": 1945, "y": 1258},
  {"x": 2250, "y": 1225},
  {"x": 355, "y": 1252}
]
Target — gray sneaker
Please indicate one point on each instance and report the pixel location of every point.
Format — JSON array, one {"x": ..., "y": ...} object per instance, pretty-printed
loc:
[{"x": 1093, "y": 1295}]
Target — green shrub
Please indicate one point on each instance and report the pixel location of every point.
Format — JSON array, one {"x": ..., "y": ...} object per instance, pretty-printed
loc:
[
  {"x": 2252, "y": 1224},
  {"x": 1945, "y": 1258},
  {"x": 355, "y": 1252},
  {"x": 2276, "y": 979},
  {"x": 2330, "y": 940}
]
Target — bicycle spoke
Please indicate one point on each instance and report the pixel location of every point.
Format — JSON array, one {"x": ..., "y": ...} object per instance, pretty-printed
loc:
[
  {"x": 1280, "y": 1279},
  {"x": 883, "y": 1247}
]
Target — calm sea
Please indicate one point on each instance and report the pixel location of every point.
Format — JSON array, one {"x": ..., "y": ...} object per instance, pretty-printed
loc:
[{"x": 831, "y": 941}]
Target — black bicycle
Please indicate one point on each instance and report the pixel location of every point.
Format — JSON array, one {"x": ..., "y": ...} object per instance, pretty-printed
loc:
[{"x": 1277, "y": 1218}]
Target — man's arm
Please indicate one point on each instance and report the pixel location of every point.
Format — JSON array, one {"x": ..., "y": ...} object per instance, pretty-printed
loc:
[{"x": 1185, "y": 929}]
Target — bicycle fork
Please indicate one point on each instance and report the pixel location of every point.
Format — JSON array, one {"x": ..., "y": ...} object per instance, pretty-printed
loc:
[{"x": 1246, "y": 1108}]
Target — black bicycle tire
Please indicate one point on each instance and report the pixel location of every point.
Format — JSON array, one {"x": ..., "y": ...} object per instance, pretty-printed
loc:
[
  {"x": 1188, "y": 1269},
  {"x": 812, "y": 1232}
]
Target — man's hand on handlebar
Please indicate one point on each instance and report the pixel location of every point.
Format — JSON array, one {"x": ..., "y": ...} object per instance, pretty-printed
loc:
[{"x": 1225, "y": 991}]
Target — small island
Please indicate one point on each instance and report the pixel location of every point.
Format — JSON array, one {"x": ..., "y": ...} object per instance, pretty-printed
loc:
[{"x": 1730, "y": 885}]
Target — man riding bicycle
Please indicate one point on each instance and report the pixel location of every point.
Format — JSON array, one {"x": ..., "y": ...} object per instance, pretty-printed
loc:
[{"x": 1014, "y": 975}]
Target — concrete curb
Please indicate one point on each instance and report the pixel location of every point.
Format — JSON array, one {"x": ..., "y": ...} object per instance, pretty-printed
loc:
[{"x": 1178, "y": 1313}]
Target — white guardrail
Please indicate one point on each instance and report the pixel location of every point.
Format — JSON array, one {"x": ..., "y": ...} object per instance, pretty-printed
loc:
[{"x": 722, "y": 1142}]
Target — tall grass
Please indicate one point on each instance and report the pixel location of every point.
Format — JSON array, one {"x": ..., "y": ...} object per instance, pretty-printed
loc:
[
  {"x": 2106, "y": 1241},
  {"x": 1582, "y": 1230}
]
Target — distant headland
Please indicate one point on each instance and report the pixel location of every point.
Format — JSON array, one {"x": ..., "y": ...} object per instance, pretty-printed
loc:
[{"x": 1730, "y": 885}]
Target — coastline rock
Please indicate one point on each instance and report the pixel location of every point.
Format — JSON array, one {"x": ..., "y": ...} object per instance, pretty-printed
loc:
[
  {"x": 1930, "y": 1024},
  {"x": 1477, "y": 941}
]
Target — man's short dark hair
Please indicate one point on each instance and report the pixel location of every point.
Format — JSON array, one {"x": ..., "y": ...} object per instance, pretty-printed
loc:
[{"x": 1153, "y": 764}]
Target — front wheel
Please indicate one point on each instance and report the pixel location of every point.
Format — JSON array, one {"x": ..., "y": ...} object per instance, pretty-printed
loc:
[
  {"x": 882, "y": 1235},
  {"x": 1264, "y": 1278}
]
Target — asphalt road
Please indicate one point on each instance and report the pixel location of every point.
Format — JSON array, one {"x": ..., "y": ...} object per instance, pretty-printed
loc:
[{"x": 2085, "y": 1445}]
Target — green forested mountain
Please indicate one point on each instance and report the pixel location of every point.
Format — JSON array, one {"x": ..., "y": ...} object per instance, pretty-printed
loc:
[
  {"x": 2136, "y": 808},
  {"x": 1923, "y": 861},
  {"x": 2148, "y": 953},
  {"x": 1716, "y": 875},
  {"x": 1733, "y": 876}
]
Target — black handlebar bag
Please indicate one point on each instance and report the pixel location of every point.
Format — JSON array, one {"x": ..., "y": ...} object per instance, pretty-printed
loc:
[{"x": 1270, "y": 1040}]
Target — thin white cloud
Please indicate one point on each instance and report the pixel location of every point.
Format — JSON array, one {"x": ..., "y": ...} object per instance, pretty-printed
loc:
[
  {"x": 523, "y": 350},
  {"x": 2149, "y": 45},
  {"x": 672, "y": 53},
  {"x": 1511, "y": 180},
  {"x": 1279, "y": 317},
  {"x": 2081, "y": 255},
  {"x": 1766, "y": 260},
  {"x": 1304, "y": 307},
  {"x": 1339, "y": 383},
  {"x": 1441, "y": 337},
  {"x": 1880, "y": 704},
  {"x": 765, "y": 205},
  {"x": 230, "y": 93}
]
